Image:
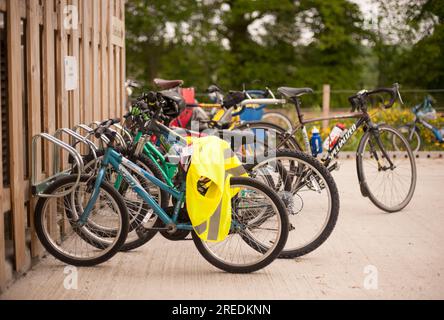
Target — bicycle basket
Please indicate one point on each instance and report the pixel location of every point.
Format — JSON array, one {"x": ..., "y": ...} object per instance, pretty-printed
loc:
[{"x": 428, "y": 113}]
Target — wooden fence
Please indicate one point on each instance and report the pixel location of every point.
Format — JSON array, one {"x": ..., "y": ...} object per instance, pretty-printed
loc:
[{"x": 36, "y": 37}]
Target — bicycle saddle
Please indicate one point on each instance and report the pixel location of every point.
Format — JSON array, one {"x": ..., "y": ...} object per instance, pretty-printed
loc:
[
  {"x": 167, "y": 84},
  {"x": 294, "y": 92}
]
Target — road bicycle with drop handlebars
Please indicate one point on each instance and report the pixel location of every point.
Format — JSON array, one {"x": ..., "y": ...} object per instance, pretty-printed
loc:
[{"x": 384, "y": 160}]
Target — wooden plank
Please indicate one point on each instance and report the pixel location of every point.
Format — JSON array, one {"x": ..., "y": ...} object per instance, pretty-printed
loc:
[
  {"x": 75, "y": 94},
  {"x": 86, "y": 62},
  {"x": 117, "y": 66},
  {"x": 49, "y": 101},
  {"x": 123, "y": 62},
  {"x": 34, "y": 121},
  {"x": 16, "y": 131},
  {"x": 2, "y": 244},
  {"x": 2, "y": 200},
  {"x": 117, "y": 81},
  {"x": 111, "y": 69},
  {"x": 325, "y": 104},
  {"x": 22, "y": 7},
  {"x": 7, "y": 196},
  {"x": 62, "y": 96},
  {"x": 104, "y": 59},
  {"x": 49, "y": 119},
  {"x": 95, "y": 62}
]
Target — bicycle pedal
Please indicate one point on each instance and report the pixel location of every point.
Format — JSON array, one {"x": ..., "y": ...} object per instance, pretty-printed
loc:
[{"x": 335, "y": 167}]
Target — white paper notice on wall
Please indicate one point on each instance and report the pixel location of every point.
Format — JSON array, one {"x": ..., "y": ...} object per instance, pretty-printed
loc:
[
  {"x": 117, "y": 32},
  {"x": 71, "y": 73}
]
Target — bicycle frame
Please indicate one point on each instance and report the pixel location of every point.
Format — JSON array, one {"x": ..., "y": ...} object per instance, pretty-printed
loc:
[
  {"x": 427, "y": 125},
  {"x": 363, "y": 118},
  {"x": 168, "y": 169},
  {"x": 123, "y": 167}
]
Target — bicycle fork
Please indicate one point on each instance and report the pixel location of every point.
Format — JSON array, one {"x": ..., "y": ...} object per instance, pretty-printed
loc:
[{"x": 381, "y": 166}]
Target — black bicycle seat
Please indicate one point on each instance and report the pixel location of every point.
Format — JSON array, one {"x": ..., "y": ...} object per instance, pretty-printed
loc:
[{"x": 294, "y": 92}]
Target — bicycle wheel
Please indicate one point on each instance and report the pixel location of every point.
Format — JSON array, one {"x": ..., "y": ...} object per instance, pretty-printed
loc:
[
  {"x": 279, "y": 119},
  {"x": 271, "y": 134},
  {"x": 261, "y": 220},
  {"x": 412, "y": 137},
  {"x": 309, "y": 193},
  {"x": 142, "y": 217},
  {"x": 389, "y": 188},
  {"x": 64, "y": 238}
]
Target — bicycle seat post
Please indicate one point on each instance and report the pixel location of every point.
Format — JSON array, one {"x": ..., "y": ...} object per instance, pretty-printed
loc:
[{"x": 297, "y": 102}]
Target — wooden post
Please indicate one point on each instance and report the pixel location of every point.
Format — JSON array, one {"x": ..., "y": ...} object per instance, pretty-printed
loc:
[
  {"x": 111, "y": 69},
  {"x": 49, "y": 101},
  {"x": 2, "y": 216},
  {"x": 62, "y": 96},
  {"x": 95, "y": 62},
  {"x": 16, "y": 131},
  {"x": 123, "y": 98},
  {"x": 34, "y": 121},
  {"x": 104, "y": 59},
  {"x": 325, "y": 104},
  {"x": 86, "y": 62},
  {"x": 75, "y": 95}
]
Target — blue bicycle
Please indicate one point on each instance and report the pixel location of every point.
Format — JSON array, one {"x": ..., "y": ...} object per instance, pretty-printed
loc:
[
  {"x": 423, "y": 112},
  {"x": 89, "y": 225}
]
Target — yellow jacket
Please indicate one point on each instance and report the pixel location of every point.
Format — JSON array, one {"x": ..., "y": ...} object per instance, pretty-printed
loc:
[{"x": 208, "y": 193}]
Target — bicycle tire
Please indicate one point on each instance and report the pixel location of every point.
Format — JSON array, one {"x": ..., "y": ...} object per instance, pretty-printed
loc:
[
  {"x": 282, "y": 117},
  {"x": 334, "y": 208},
  {"x": 361, "y": 174},
  {"x": 290, "y": 143},
  {"x": 281, "y": 211},
  {"x": 416, "y": 137},
  {"x": 44, "y": 239},
  {"x": 144, "y": 234}
]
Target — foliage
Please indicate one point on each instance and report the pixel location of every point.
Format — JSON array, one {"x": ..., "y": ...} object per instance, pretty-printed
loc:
[
  {"x": 395, "y": 117},
  {"x": 275, "y": 43}
]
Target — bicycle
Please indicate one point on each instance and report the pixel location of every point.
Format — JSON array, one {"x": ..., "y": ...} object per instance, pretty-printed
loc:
[
  {"x": 422, "y": 113},
  {"x": 271, "y": 243},
  {"x": 235, "y": 118},
  {"x": 291, "y": 174},
  {"x": 376, "y": 153}
]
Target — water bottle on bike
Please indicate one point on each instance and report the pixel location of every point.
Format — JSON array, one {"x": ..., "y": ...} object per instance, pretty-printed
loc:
[
  {"x": 336, "y": 133},
  {"x": 315, "y": 142}
]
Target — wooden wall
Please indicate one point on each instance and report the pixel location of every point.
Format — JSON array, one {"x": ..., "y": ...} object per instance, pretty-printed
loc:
[{"x": 37, "y": 101}]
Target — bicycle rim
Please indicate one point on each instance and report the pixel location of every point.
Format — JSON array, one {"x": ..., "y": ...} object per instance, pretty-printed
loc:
[{"x": 389, "y": 189}]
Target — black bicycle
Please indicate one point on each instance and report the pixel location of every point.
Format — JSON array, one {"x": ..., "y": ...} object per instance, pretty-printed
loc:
[{"x": 385, "y": 162}]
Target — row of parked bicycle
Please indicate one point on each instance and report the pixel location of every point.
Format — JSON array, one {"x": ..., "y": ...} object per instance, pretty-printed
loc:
[{"x": 127, "y": 180}]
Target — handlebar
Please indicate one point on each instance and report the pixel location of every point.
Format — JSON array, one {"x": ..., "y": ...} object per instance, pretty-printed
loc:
[
  {"x": 104, "y": 129},
  {"x": 359, "y": 99}
]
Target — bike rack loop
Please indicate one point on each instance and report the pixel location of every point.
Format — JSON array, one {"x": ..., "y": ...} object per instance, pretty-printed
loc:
[
  {"x": 79, "y": 138},
  {"x": 90, "y": 131},
  {"x": 124, "y": 131},
  {"x": 73, "y": 152}
]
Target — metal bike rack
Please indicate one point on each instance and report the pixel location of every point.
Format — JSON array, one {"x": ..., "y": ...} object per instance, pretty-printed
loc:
[
  {"x": 89, "y": 132},
  {"x": 38, "y": 187},
  {"x": 124, "y": 131},
  {"x": 77, "y": 137}
]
